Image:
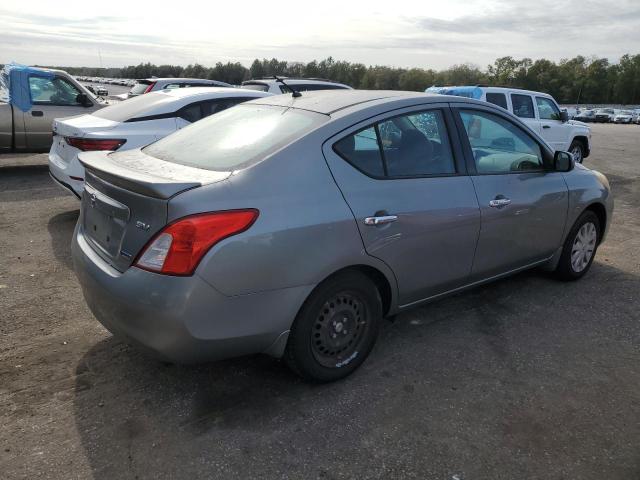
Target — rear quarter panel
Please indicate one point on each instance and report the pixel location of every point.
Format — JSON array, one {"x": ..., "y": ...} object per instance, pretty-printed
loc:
[{"x": 304, "y": 233}]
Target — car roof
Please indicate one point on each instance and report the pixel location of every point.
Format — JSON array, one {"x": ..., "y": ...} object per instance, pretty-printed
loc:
[
  {"x": 292, "y": 81},
  {"x": 331, "y": 101}
]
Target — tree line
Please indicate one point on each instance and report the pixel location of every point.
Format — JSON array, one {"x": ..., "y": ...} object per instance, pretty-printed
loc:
[{"x": 580, "y": 79}]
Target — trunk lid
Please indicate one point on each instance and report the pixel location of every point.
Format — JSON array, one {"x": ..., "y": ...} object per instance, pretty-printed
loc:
[
  {"x": 81, "y": 125},
  {"x": 126, "y": 199}
]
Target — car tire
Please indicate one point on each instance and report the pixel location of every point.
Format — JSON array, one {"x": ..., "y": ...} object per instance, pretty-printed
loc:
[
  {"x": 580, "y": 247},
  {"x": 577, "y": 150},
  {"x": 335, "y": 329}
]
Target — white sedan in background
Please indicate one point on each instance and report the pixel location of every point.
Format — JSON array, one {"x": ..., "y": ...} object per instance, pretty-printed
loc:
[
  {"x": 623, "y": 116},
  {"x": 132, "y": 124}
]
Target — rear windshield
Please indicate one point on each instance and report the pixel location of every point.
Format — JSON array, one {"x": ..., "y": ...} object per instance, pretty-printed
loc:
[
  {"x": 139, "y": 88},
  {"x": 261, "y": 87},
  {"x": 235, "y": 138},
  {"x": 133, "y": 107}
]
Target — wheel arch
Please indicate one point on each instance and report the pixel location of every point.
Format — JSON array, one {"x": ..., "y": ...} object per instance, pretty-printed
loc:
[
  {"x": 585, "y": 143},
  {"x": 601, "y": 212}
]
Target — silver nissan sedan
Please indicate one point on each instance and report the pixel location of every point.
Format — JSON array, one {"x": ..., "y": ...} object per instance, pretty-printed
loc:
[{"x": 293, "y": 225}]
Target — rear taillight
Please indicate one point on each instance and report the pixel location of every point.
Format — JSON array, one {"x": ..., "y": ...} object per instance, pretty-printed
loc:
[
  {"x": 178, "y": 248},
  {"x": 148, "y": 89},
  {"x": 90, "y": 144}
]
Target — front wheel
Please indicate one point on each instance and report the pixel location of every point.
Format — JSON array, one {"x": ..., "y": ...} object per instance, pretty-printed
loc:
[
  {"x": 580, "y": 247},
  {"x": 577, "y": 150},
  {"x": 336, "y": 328}
]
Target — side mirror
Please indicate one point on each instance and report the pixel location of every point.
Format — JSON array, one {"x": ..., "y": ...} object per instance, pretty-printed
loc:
[
  {"x": 564, "y": 116},
  {"x": 83, "y": 100},
  {"x": 563, "y": 162}
]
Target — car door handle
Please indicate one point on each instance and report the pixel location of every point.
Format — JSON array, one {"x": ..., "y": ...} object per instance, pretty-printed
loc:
[
  {"x": 36, "y": 113},
  {"x": 381, "y": 220},
  {"x": 546, "y": 126},
  {"x": 499, "y": 202}
]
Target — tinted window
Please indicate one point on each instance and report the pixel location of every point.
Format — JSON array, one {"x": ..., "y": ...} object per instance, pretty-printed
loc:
[
  {"x": 547, "y": 109},
  {"x": 191, "y": 113},
  {"x": 236, "y": 137},
  {"x": 499, "y": 99},
  {"x": 522, "y": 106},
  {"x": 362, "y": 151},
  {"x": 55, "y": 91},
  {"x": 173, "y": 86},
  {"x": 416, "y": 144},
  {"x": 498, "y": 145}
]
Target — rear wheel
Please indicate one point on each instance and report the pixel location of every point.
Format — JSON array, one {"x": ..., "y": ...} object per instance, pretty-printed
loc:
[
  {"x": 580, "y": 247},
  {"x": 577, "y": 150},
  {"x": 335, "y": 329}
]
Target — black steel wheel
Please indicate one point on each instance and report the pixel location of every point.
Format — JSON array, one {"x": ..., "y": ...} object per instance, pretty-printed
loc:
[{"x": 335, "y": 329}]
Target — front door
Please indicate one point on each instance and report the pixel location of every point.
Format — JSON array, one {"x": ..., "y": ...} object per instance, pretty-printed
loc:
[
  {"x": 51, "y": 98},
  {"x": 553, "y": 130},
  {"x": 414, "y": 205},
  {"x": 523, "y": 204}
]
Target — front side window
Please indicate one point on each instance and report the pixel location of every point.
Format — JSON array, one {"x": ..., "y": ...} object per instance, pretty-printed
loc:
[
  {"x": 499, "y": 146},
  {"x": 499, "y": 99},
  {"x": 54, "y": 91},
  {"x": 522, "y": 106},
  {"x": 547, "y": 109},
  {"x": 410, "y": 145}
]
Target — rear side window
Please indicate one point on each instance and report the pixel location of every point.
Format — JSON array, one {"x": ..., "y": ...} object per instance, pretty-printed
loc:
[
  {"x": 499, "y": 99},
  {"x": 499, "y": 146},
  {"x": 522, "y": 106},
  {"x": 362, "y": 151},
  {"x": 412, "y": 145},
  {"x": 235, "y": 138}
]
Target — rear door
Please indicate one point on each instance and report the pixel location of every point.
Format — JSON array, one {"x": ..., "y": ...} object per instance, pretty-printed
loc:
[
  {"x": 522, "y": 105},
  {"x": 50, "y": 98},
  {"x": 403, "y": 177},
  {"x": 522, "y": 203},
  {"x": 553, "y": 130}
]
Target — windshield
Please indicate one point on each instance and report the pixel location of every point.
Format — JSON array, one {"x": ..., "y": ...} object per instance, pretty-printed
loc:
[
  {"x": 625, "y": 112},
  {"x": 139, "y": 88},
  {"x": 235, "y": 138},
  {"x": 133, "y": 107}
]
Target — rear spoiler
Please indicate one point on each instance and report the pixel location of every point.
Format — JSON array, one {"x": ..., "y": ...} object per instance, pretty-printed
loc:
[{"x": 137, "y": 172}]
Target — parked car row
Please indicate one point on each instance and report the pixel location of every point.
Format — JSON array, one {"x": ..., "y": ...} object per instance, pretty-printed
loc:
[
  {"x": 125, "y": 82},
  {"x": 609, "y": 115}
]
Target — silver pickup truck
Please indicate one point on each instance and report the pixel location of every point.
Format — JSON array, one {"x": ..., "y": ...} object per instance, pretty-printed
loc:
[{"x": 31, "y": 98}]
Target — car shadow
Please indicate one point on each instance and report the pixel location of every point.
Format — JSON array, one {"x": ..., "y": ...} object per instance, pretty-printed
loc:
[
  {"x": 60, "y": 229},
  {"x": 28, "y": 182},
  {"x": 445, "y": 379}
]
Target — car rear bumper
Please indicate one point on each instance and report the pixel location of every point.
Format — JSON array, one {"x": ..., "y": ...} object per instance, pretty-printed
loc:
[
  {"x": 183, "y": 319},
  {"x": 69, "y": 175}
]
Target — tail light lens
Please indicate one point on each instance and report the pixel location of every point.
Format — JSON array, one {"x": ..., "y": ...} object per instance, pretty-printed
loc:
[
  {"x": 148, "y": 89},
  {"x": 91, "y": 144},
  {"x": 179, "y": 247}
]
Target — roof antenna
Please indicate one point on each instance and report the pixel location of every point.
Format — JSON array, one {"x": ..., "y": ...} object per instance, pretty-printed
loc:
[{"x": 294, "y": 93}]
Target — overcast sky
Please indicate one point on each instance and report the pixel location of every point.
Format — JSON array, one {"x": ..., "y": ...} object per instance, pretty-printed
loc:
[{"x": 427, "y": 34}]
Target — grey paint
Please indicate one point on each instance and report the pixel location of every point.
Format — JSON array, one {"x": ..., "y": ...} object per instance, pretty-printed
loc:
[{"x": 247, "y": 290}]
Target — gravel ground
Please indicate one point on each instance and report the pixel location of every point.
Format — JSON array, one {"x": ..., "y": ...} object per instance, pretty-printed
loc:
[{"x": 524, "y": 378}]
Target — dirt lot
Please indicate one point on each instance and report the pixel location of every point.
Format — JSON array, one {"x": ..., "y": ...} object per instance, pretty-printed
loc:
[{"x": 525, "y": 378}]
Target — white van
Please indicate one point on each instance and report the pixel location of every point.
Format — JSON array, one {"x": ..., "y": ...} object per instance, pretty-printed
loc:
[{"x": 538, "y": 110}]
